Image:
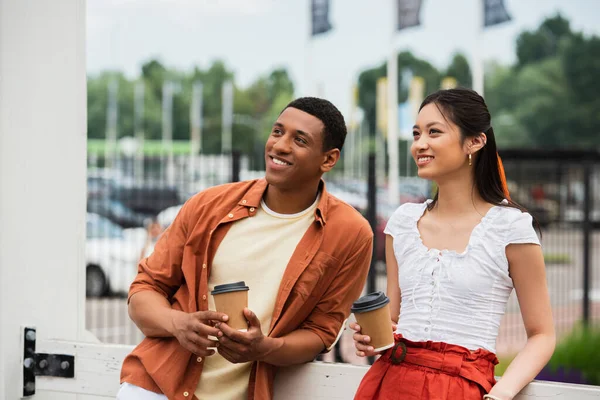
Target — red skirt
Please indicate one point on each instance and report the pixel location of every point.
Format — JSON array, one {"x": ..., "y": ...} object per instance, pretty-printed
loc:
[{"x": 428, "y": 371}]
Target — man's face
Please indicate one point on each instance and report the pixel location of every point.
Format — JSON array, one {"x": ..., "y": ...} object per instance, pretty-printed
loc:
[{"x": 294, "y": 151}]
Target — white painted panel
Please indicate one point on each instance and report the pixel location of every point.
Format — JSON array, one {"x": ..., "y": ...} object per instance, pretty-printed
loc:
[
  {"x": 97, "y": 369},
  {"x": 42, "y": 177}
]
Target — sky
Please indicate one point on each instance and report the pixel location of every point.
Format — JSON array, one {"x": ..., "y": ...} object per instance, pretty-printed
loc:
[{"x": 253, "y": 37}]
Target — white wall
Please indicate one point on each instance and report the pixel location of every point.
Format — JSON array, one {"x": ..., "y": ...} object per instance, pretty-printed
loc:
[{"x": 42, "y": 176}]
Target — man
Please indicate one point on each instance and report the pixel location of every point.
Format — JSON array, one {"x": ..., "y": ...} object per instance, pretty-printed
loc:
[{"x": 303, "y": 253}]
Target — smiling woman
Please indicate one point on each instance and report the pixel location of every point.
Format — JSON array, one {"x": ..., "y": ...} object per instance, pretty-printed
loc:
[{"x": 452, "y": 263}]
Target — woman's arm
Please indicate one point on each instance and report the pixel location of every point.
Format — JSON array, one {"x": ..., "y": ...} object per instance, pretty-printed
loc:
[
  {"x": 528, "y": 272},
  {"x": 363, "y": 348},
  {"x": 393, "y": 287}
]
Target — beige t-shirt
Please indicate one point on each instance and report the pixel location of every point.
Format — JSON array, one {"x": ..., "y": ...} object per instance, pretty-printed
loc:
[{"x": 255, "y": 250}]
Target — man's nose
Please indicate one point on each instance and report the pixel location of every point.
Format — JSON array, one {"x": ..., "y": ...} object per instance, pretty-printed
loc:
[{"x": 282, "y": 145}]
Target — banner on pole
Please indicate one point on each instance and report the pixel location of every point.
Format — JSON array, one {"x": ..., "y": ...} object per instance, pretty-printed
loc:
[
  {"x": 494, "y": 12},
  {"x": 408, "y": 13},
  {"x": 319, "y": 11}
]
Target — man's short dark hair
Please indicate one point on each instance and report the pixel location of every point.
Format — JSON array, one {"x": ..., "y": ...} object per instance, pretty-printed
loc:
[{"x": 334, "y": 132}]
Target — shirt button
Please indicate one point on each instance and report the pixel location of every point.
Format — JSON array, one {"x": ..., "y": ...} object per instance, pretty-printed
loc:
[
  {"x": 186, "y": 394},
  {"x": 203, "y": 297},
  {"x": 252, "y": 209},
  {"x": 426, "y": 329},
  {"x": 199, "y": 359},
  {"x": 203, "y": 266},
  {"x": 230, "y": 215},
  {"x": 244, "y": 201}
]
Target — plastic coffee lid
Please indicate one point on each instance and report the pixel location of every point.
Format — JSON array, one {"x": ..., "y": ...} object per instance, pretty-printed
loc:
[
  {"x": 230, "y": 287},
  {"x": 370, "y": 302}
]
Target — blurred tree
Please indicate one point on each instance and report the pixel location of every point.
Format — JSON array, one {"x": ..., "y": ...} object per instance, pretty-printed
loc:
[
  {"x": 252, "y": 103},
  {"x": 367, "y": 82},
  {"x": 549, "y": 98},
  {"x": 459, "y": 69},
  {"x": 544, "y": 42},
  {"x": 581, "y": 63}
]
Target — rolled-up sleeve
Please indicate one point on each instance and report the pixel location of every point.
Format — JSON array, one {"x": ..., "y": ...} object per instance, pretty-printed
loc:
[
  {"x": 328, "y": 317},
  {"x": 161, "y": 271}
]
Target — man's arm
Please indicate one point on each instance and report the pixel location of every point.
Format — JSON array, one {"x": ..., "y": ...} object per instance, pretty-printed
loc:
[
  {"x": 318, "y": 332},
  {"x": 159, "y": 277},
  {"x": 333, "y": 309}
]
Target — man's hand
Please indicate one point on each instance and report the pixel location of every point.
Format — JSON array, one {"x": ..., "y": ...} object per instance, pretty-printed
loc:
[
  {"x": 240, "y": 347},
  {"x": 192, "y": 330}
]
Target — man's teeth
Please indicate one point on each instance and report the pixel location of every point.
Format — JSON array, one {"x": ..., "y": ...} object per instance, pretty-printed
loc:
[
  {"x": 279, "y": 162},
  {"x": 425, "y": 158}
]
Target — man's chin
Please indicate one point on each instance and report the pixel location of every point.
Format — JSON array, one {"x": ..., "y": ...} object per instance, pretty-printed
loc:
[{"x": 274, "y": 179}]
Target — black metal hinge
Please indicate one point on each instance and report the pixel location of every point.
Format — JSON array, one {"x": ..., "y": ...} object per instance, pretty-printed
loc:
[{"x": 42, "y": 364}]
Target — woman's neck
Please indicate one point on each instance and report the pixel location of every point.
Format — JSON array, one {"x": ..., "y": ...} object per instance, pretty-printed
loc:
[{"x": 459, "y": 197}]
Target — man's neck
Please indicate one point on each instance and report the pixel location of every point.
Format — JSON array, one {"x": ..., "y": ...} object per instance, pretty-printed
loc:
[{"x": 290, "y": 201}]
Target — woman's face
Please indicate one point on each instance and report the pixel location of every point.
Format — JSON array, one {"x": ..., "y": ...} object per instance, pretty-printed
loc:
[{"x": 437, "y": 147}]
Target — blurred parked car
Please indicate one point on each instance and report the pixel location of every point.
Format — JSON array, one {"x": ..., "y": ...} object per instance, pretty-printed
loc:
[
  {"x": 117, "y": 212},
  {"x": 147, "y": 199},
  {"x": 111, "y": 256}
]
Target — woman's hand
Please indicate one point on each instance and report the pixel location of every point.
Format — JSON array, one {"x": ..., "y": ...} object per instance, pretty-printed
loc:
[{"x": 361, "y": 342}]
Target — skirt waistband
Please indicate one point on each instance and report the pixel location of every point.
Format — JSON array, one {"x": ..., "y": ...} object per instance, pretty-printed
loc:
[{"x": 448, "y": 358}]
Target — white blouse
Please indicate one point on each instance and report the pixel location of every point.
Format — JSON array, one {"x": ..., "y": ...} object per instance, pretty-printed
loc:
[{"x": 452, "y": 297}]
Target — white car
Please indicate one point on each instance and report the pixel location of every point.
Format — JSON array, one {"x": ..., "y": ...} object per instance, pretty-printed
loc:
[{"x": 111, "y": 256}]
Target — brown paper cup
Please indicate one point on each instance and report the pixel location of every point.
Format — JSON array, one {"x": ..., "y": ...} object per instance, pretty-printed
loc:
[
  {"x": 233, "y": 304},
  {"x": 378, "y": 326},
  {"x": 372, "y": 313}
]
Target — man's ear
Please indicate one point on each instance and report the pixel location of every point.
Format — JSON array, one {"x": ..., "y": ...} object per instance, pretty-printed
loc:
[{"x": 330, "y": 158}]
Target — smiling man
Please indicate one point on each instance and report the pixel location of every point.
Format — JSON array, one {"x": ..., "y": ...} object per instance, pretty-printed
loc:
[{"x": 304, "y": 254}]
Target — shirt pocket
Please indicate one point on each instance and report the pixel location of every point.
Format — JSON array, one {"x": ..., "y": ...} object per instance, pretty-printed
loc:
[{"x": 317, "y": 276}]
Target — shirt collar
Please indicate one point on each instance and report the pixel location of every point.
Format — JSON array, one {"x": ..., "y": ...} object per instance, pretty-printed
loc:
[{"x": 256, "y": 192}]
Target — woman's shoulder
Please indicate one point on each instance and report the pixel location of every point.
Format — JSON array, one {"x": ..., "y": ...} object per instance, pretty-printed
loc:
[
  {"x": 514, "y": 225},
  {"x": 411, "y": 210},
  {"x": 510, "y": 214},
  {"x": 404, "y": 219}
]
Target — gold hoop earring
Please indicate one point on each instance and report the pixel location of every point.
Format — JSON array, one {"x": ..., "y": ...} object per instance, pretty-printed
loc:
[{"x": 470, "y": 160}]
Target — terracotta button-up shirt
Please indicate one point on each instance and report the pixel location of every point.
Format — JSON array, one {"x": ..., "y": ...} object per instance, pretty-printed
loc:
[{"x": 325, "y": 275}]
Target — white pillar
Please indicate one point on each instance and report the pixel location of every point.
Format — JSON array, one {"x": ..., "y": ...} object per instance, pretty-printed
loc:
[
  {"x": 477, "y": 57},
  {"x": 392, "y": 133},
  {"x": 42, "y": 177},
  {"x": 392, "y": 114}
]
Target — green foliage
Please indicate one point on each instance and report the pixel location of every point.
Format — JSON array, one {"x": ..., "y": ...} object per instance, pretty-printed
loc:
[
  {"x": 253, "y": 103},
  {"x": 367, "y": 82},
  {"x": 543, "y": 43},
  {"x": 459, "y": 69},
  {"x": 548, "y": 99},
  {"x": 579, "y": 351},
  {"x": 557, "y": 258}
]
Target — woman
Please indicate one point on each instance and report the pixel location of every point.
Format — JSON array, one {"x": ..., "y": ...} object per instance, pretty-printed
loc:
[{"x": 452, "y": 263}]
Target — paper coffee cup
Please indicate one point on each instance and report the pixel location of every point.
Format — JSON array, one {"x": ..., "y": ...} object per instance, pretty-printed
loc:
[
  {"x": 372, "y": 313},
  {"x": 231, "y": 299}
]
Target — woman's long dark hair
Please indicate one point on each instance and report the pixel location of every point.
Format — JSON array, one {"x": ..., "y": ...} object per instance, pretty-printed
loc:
[{"x": 467, "y": 109}]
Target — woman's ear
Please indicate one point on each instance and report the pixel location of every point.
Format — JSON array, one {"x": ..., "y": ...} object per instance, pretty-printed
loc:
[{"x": 474, "y": 144}]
